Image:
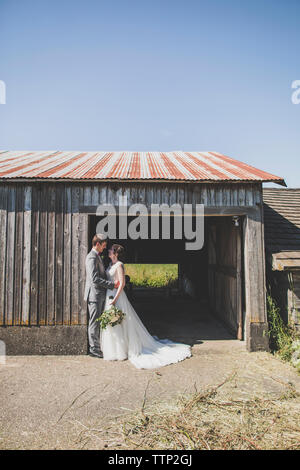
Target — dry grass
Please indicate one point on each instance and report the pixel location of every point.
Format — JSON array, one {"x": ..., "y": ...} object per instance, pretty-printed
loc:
[{"x": 213, "y": 420}]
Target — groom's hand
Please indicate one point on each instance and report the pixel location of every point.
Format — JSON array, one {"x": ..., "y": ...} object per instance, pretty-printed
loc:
[{"x": 117, "y": 283}]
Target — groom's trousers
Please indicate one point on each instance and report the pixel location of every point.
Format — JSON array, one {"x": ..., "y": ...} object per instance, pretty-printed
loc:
[{"x": 95, "y": 310}]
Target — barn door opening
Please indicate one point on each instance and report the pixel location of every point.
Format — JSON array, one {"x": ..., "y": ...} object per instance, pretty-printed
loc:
[
  {"x": 181, "y": 313},
  {"x": 225, "y": 268}
]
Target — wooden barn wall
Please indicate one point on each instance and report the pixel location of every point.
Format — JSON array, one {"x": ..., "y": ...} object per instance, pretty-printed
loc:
[
  {"x": 290, "y": 293},
  {"x": 215, "y": 195},
  {"x": 295, "y": 299},
  {"x": 285, "y": 289},
  {"x": 44, "y": 230},
  {"x": 42, "y": 255}
]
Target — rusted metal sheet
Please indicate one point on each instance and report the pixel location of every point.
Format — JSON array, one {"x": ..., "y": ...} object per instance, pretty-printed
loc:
[{"x": 176, "y": 166}]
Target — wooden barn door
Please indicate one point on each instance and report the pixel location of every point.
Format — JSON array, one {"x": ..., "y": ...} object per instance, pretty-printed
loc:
[
  {"x": 294, "y": 298},
  {"x": 225, "y": 271}
]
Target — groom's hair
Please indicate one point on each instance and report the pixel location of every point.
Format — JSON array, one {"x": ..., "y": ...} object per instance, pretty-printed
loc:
[{"x": 98, "y": 238}]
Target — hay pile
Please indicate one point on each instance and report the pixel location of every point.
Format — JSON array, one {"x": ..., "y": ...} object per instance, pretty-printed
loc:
[{"x": 213, "y": 420}]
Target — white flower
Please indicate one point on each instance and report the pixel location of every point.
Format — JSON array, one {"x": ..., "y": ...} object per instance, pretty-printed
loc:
[
  {"x": 295, "y": 359},
  {"x": 296, "y": 345}
]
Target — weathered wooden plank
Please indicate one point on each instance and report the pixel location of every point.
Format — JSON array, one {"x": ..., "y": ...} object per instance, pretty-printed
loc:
[
  {"x": 180, "y": 195},
  {"x": 10, "y": 256},
  {"x": 238, "y": 286},
  {"x": 119, "y": 194},
  {"x": 249, "y": 196},
  {"x": 159, "y": 195},
  {"x": 75, "y": 320},
  {"x": 87, "y": 196},
  {"x": 241, "y": 196},
  {"x": 26, "y": 255},
  {"x": 203, "y": 195},
  {"x": 292, "y": 291},
  {"x": 95, "y": 195},
  {"x": 3, "y": 238},
  {"x": 43, "y": 255},
  {"x": 59, "y": 255},
  {"x": 258, "y": 194},
  {"x": 225, "y": 197},
  {"x": 19, "y": 255},
  {"x": 148, "y": 195},
  {"x": 226, "y": 211},
  {"x": 194, "y": 195},
  {"x": 83, "y": 251},
  {"x": 102, "y": 194},
  {"x": 234, "y": 196},
  {"x": 288, "y": 255},
  {"x": 51, "y": 258},
  {"x": 67, "y": 256},
  {"x": 113, "y": 195},
  {"x": 212, "y": 192},
  {"x": 34, "y": 278},
  {"x": 218, "y": 196},
  {"x": 254, "y": 268}
]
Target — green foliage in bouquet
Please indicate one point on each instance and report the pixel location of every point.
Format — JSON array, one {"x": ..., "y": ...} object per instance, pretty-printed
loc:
[{"x": 113, "y": 316}]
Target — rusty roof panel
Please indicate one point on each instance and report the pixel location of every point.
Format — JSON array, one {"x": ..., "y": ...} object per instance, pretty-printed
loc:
[{"x": 100, "y": 165}]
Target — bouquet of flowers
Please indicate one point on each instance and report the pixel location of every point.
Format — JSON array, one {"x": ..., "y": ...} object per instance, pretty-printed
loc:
[{"x": 113, "y": 316}]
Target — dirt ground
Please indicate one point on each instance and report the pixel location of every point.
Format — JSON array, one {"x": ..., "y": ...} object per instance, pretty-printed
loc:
[{"x": 68, "y": 402}]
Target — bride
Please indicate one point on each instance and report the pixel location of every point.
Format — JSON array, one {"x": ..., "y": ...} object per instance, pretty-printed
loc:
[{"x": 130, "y": 339}]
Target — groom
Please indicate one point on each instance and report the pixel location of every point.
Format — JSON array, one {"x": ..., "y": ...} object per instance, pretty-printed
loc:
[{"x": 95, "y": 291}]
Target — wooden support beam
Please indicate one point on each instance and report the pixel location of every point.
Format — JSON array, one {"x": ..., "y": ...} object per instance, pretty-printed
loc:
[{"x": 255, "y": 282}]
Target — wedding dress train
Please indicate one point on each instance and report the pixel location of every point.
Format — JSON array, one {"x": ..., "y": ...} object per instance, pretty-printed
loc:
[{"x": 131, "y": 340}]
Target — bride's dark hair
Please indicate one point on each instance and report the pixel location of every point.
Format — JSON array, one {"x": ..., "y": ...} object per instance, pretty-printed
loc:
[{"x": 119, "y": 252}]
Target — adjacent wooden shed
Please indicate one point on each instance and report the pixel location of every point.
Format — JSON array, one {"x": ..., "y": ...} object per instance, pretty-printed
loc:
[
  {"x": 282, "y": 240},
  {"x": 48, "y": 204}
]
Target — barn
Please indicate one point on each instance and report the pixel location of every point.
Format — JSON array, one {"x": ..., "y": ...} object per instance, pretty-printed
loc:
[
  {"x": 282, "y": 241},
  {"x": 48, "y": 214}
]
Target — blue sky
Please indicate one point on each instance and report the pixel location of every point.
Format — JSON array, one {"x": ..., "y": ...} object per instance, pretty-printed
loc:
[{"x": 153, "y": 75}]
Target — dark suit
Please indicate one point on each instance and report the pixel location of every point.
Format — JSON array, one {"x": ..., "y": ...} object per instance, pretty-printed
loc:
[{"x": 95, "y": 292}]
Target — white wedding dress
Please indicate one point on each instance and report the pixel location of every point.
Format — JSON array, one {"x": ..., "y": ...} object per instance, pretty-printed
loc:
[{"x": 131, "y": 340}]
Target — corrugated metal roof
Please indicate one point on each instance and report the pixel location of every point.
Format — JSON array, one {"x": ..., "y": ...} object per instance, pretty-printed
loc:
[
  {"x": 177, "y": 165},
  {"x": 282, "y": 226}
]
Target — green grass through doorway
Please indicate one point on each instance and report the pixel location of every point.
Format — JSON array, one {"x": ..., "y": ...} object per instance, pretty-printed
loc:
[{"x": 152, "y": 275}]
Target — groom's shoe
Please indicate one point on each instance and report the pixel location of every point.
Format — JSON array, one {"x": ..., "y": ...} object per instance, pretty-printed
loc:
[{"x": 99, "y": 355}]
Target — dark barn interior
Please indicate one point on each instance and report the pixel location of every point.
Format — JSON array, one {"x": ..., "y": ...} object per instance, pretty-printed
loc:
[{"x": 207, "y": 301}]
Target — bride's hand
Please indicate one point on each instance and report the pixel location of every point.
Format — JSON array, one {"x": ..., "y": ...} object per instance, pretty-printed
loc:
[{"x": 112, "y": 302}]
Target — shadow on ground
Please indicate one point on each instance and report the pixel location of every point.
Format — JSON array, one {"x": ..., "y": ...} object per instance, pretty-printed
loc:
[{"x": 178, "y": 317}]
